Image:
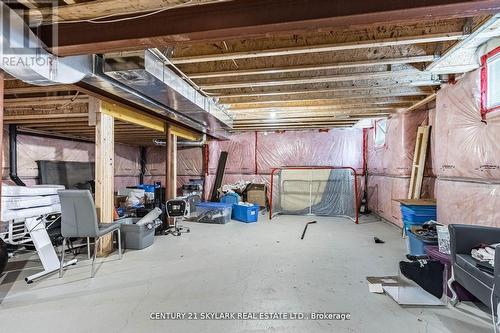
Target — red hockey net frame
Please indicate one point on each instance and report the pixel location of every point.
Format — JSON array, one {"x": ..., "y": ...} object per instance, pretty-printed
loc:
[{"x": 274, "y": 171}]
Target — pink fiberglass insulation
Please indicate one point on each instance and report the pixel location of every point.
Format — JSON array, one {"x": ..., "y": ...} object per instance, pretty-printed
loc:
[
  {"x": 468, "y": 203},
  {"x": 233, "y": 178},
  {"x": 337, "y": 147},
  {"x": 127, "y": 161},
  {"x": 155, "y": 161},
  {"x": 241, "y": 154},
  {"x": 466, "y": 146},
  {"x": 384, "y": 191},
  {"x": 31, "y": 149},
  {"x": 124, "y": 181},
  {"x": 395, "y": 157},
  {"x": 189, "y": 162}
]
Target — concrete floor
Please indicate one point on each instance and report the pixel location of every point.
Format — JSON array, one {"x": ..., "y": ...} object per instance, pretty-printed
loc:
[{"x": 262, "y": 267}]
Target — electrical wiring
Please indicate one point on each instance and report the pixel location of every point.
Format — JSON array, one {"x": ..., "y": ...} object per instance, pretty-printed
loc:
[{"x": 97, "y": 20}]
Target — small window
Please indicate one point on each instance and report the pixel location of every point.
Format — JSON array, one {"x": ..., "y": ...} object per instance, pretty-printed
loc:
[
  {"x": 380, "y": 130},
  {"x": 490, "y": 82}
]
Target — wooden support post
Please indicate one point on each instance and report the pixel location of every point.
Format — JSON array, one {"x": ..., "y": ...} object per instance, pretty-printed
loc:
[
  {"x": 419, "y": 157},
  {"x": 104, "y": 173},
  {"x": 171, "y": 164}
]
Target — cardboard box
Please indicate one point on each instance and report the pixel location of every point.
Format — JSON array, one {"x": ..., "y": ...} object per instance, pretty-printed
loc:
[{"x": 257, "y": 197}]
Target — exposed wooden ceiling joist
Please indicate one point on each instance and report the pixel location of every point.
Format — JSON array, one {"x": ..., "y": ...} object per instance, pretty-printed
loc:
[
  {"x": 319, "y": 67},
  {"x": 411, "y": 75},
  {"x": 334, "y": 91},
  {"x": 422, "y": 39},
  {"x": 249, "y": 18},
  {"x": 333, "y": 101},
  {"x": 108, "y": 8}
]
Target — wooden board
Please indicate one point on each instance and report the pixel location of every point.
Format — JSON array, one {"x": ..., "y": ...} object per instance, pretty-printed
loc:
[
  {"x": 104, "y": 172},
  {"x": 419, "y": 157},
  {"x": 417, "y": 202}
]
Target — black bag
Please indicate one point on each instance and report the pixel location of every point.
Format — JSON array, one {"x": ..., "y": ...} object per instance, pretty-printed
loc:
[
  {"x": 4, "y": 256},
  {"x": 428, "y": 274}
]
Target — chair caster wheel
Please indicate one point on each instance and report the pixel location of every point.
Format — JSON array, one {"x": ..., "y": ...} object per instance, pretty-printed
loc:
[
  {"x": 29, "y": 281},
  {"x": 73, "y": 264}
]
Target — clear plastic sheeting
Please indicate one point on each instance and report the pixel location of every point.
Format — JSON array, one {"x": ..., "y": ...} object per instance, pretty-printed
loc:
[
  {"x": 32, "y": 148},
  {"x": 314, "y": 191},
  {"x": 241, "y": 154},
  {"x": 127, "y": 161},
  {"x": 155, "y": 161},
  {"x": 337, "y": 147},
  {"x": 395, "y": 157},
  {"x": 190, "y": 161},
  {"x": 233, "y": 178},
  {"x": 468, "y": 203},
  {"x": 384, "y": 191},
  {"x": 466, "y": 145}
]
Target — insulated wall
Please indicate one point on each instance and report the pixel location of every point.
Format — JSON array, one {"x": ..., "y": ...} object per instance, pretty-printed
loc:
[
  {"x": 252, "y": 156},
  {"x": 32, "y": 148},
  {"x": 467, "y": 155},
  {"x": 259, "y": 153},
  {"x": 189, "y": 164},
  {"x": 390, "y": 162},
  {"x": 463, "y": 166}
]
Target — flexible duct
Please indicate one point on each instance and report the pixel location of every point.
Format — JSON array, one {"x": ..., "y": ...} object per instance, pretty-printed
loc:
[
  {"x": 23, "y": 56},
  {"x": 13, "y": 156}
]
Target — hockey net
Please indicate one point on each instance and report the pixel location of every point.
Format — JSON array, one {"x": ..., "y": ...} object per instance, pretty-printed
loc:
[{"x": 319, "y": 191}]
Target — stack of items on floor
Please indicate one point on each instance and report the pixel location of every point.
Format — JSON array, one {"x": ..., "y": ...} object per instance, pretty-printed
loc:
[
  {"x": 138, "y": 215},
  {"x": 20, "y": 202},
  {"x": 240, "y": 201},
  {"x": 416, "y": 213}
]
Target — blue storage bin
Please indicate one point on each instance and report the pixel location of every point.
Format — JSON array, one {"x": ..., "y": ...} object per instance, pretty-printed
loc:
[
  {"x": 149, "y": 188},
  {"x": 244, "y": 213},
  {"x": 418, "y": 214},
  {"x": 214, "y": 212},
  {"x": 407, "y": 225},
  {"x": 415, "y": 245}
]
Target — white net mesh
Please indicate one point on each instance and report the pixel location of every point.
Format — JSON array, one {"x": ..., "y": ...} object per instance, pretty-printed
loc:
[{"x": 314, "y": 191}]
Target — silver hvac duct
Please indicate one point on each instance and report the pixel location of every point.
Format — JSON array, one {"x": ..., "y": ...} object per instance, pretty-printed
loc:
[
  {"x": 23, "y": 56},
  {"x": 152, "y": 78},
  {"x": 184, "y": 144}
]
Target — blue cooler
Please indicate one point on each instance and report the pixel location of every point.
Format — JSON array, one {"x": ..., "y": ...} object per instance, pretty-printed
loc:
[
  {"x": 416, "y": 246},
  {"x": 245, "y": 213}
]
